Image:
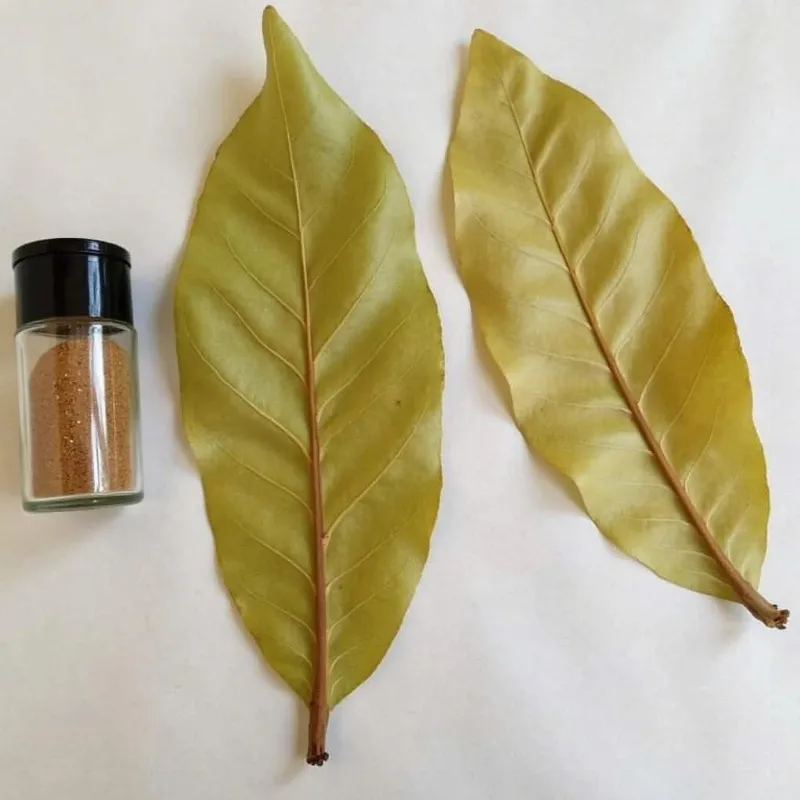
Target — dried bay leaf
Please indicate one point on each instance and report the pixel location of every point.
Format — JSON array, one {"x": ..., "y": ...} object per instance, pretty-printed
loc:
[
  {"x": 311, "y": 370},
  {"x": 622, "y": 360}
]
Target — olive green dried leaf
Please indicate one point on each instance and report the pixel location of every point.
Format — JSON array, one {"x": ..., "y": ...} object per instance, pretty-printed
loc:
[
  {"x": 622, "y": 360},
  {"x": 311, "y": 370}
]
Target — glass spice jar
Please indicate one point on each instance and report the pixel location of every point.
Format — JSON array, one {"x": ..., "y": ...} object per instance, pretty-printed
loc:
[{"x": 77, "y": 374}]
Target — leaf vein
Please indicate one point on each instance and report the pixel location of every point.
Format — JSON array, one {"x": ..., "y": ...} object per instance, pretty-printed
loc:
[
  {"x": 255, "y": 336},
  {"x": 661, "y": 360},
  {"x": 643, "y": 315},
  {"x": 737, "y": 528},
  {"x": 349, "y": 239},
  {"x": 371, "y": 358},
  {"x": 338, "y": 658},
  {"x": 578, "y": 176},
  {"x": 276, "y": 170},
  {"x": 691, "y": 388},
  {"x": 271, "y": 549},
  {"x": 358, "y": 606},
  {"x": 522, "y": 211},
  {"x": 374, "y": 399},
  {"x": 670, "y": 520},
  {"x": 259, "y": 283},
  {"x": 605, "y": 446},
  {"x": 358, "y": 299},
  {"x": 340, "y": 180},
  {"x": 263, "y": 414},
  {"x": 562, "y": 356},
  {"x": 558, "y": 313},
  {"x": 592, "y": 238},
  {"x": 584, "y": 406},
  {"x": 512, "y": 246},
  {"x": 705, "y": 448},
  {"x": 350, "y": 506},
  {"x": 621, "y": 273},
  {"x": 723, "y": 497},
  {"x": 375, "y": 549},
  {"x": 263, "y": 477},
  {"x": 265, "y": 601},
  {"x": 267, "y": 216}
]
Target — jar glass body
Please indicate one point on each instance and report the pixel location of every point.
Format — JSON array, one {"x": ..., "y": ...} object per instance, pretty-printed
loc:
[{"x": 79, "y": 414}]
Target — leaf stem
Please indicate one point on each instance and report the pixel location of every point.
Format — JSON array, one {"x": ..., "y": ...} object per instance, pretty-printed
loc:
[
  {"x": 753, "y": 601},
  {"x": 317, "y": 728}
]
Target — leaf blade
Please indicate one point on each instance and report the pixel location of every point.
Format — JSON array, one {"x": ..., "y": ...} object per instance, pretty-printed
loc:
[
  {"x": 620, "y": 244},
  {"x": 301, "y": 257}
]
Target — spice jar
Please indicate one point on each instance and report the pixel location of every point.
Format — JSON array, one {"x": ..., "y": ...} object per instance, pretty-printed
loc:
[{"x": 77, "y": 372}]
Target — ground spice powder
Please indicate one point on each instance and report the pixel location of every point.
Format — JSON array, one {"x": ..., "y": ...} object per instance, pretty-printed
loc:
[{"x": 80, "y": 419}]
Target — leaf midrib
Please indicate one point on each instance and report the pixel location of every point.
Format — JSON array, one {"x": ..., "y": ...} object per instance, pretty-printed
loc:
[
  {"x": 750, "y": 597},
  {"x": 319, "y": 700}
]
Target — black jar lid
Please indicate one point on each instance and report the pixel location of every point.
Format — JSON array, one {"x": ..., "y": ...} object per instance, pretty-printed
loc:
[{"x": 59, "y": 278}]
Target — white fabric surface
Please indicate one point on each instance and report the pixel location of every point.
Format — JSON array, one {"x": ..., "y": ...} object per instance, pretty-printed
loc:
[{"x": 536, "y": 661}]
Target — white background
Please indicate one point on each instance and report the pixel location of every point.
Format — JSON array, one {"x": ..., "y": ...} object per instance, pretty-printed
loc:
[{"x": 536, "y": 661}]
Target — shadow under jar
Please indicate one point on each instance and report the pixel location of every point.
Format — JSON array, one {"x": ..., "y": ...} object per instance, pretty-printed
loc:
[{"x": 77, "y": 374}]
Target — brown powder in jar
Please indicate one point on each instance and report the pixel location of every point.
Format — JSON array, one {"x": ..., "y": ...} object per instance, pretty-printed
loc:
[{"x": 80, "y": 419}]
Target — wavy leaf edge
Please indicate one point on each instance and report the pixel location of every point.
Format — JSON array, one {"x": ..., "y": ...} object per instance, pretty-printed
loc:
[{"x": 483, "y": 41}]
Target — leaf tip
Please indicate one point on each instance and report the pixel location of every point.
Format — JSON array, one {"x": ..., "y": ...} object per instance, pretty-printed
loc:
[
  {"x": 271, "y": 19},
  {"x": 280, "y": 38},
  {"x": 490, "y": 46},
  {"x": 481, "y": 39}
]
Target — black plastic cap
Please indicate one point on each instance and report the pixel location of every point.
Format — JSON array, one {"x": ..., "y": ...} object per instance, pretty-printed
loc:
[{"x": 59, "y": 278}]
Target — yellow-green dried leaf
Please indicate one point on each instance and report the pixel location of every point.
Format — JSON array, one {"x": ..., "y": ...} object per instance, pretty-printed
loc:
[
  {"x": 623, "y": 362},
  {"x": 311, "y": 380}
]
